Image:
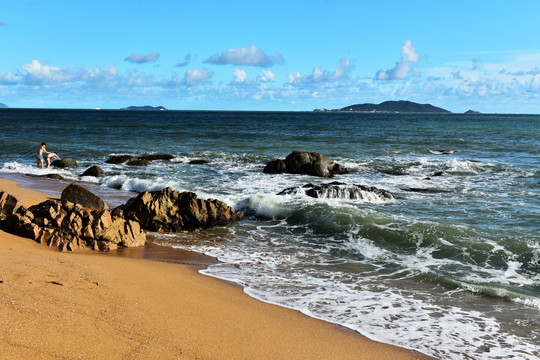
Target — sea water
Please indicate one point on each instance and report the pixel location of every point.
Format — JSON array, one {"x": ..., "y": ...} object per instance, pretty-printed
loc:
[{"x": 450, "y": 267}]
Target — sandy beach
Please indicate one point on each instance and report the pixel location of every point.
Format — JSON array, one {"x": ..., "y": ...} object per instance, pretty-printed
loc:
[{"x": 93, "y": 306}]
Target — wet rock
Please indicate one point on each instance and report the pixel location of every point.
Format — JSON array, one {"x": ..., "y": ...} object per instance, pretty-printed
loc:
[
  {"x": 120, "y": 159},
  {"x": 338, "y": 190},
  {"x": 152, "y": 157},
  {"x": 198, "y": 162},
  {"x": 171, "y": 211},
  {"x": 306, "y": 163},
  {"x": 94, "y": 171},
  {"x": 65, "y": 163},
  {"x": 138, "y": 162}
]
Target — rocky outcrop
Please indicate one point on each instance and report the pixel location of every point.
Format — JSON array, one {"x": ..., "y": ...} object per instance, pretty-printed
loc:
[
  {"x": 65, "y": 163},
  {"x": 120, "y": 159},
  {"x": 70, "y": 226},
  {"x": 171, "y": 211},
  {"x": 94, "y": 171},
  {"x": 338, "y": 190},
  {"x": 306, "y": 163}
]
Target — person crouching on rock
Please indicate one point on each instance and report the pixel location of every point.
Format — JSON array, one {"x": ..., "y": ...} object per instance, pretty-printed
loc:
[{"x": 50, "y": 156}]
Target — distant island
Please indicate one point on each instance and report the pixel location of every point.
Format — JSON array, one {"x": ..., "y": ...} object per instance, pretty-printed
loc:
[
  {"x": 3, "y": 106},
  {"x": 147, "y": 107},
  {"x": 392, "y": 107}
]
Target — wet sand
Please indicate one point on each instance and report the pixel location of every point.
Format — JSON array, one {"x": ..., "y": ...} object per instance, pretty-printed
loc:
[{"x": 90, "y": 305}]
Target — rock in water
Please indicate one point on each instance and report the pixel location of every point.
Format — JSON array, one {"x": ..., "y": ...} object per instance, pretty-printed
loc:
[
  {"x": 79, "y": 195},
  {"x": 338, "y": 190},
  {"x": 306, "y": 163},
  {"x": 65, "y": 163},
  {"x": 94, "y": 171},
  {"x": 171, "y": 211}
]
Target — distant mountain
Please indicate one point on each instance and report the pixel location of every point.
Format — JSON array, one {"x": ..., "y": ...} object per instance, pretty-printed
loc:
[
  {"x": 147, "y": 107},
  {"x": 393, "y": 107},
  {"x": 3, "y": 106},
  {"x": 472, "y": 112}
]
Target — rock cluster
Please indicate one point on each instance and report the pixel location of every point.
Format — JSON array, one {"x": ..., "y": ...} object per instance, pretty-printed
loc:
[
  {"x": 306, "y": 163},
  {"x": 70, "y": 226},
  {"x": 338, "y": 190},
  {"x": 171, "y": 211}
]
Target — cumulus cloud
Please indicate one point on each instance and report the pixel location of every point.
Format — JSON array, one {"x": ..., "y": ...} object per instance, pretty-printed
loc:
[
  {"x": 240, "y": 75},
  {"x": 252, "y": 56},
  {"x": 194, "y": 77},
  {"x": 319, "y": 76},
  {"x": 186, "y": 61},
  {"x": 266, "y": 76},
  {"x": 409, "y": 56},
  {"x": 137, "y": 58}
]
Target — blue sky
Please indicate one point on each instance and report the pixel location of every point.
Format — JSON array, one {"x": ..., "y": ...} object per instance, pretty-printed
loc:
[{"x": 270, "y": 55}]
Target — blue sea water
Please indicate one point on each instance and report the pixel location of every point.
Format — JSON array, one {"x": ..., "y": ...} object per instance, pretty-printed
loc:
[{"x": 450, "y": 267}]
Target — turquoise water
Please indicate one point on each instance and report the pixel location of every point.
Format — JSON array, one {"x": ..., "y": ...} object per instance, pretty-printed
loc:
[{"x": 451, "y": 267}]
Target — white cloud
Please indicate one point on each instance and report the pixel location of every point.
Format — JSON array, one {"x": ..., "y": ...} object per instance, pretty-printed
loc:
[
  {"x": 252, "y": 56},
  {"x": 266, "y": 76},
  {"x": 195, "y": 77},
  {"x": 409, "y": 56},
  {"x": 137, "y": 58},
  {"x": 322, "y": 77},
  {"x": 240, "y": 75}
]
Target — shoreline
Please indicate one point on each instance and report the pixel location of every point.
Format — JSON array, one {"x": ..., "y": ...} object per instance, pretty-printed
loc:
[{"x": 86, "y": 304}]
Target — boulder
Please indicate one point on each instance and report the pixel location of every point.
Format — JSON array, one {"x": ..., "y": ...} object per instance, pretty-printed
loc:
[
  {"x": 79, "y": 195},
  {"x": 94, "y": 171},
  {"x": 65, "y": 163},
  {"x": 120, "y": 159},
  {"x": 306, "y": 163},
  {"x": 338, "y": 190},
  {"x": 8, "y": 205},
  {"x": 152, "y": 157},
  {"x": 171, "y": 211},
  {"x": 198, "y": 162},
  {"x": 138, "y": 162}
]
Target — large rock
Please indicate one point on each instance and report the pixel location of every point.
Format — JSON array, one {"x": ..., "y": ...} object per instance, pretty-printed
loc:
[
  {"x": 79, "y": 195},
  {"x": 338, "y": 190},
  {"x": 120, "y": 159},
  {"x": 65, "y": 163},
  {"x": 171, "y": 211},
  {"x": 152, "y": 157},
  {"x": 70, "y": 226},
  {"x": 306, "y": 163},
  {"x": 8, "y": 205},
  {"x": 94, "y": 171}
]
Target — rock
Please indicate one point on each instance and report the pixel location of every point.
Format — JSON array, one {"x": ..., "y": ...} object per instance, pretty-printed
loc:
[
  {"x": 65, "y": 163},
  {"x": 171, "y": 211},
  {"x": 338, "y": 190},
  {"x": 152, "y": 157},
  {"x": 198, "y": 162},
  {"x": 8, "y": 205},
  {"x": 306, "y": 163},
  {"x": 70, "y": 226},
  {"x": 120, "y": 159},
  {"x": 275, "y": 167},
  {"x": 138, "y": 162},
  {"x": 79, "y": 195},
  {"x": 94, "y": 171}
]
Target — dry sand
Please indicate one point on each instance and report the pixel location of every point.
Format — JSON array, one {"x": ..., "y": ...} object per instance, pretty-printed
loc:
[{"x": 92, "y": 306}]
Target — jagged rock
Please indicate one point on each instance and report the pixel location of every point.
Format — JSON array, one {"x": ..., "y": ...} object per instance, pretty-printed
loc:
[
  {"x": 8, "y": 205},
  {"x": 338, "y": 190},
  {"x": 171, "y": 211},
  {"x": 65, "y": 163},
  {"x": 94, "y": 171},
  {"x": 306, "y": 163},
  {"x": 152, "y": 157},
  {"x": 79, "y": 195},
  {"x": 120, "y": 159},
  {"x": 70, "y": 226}
]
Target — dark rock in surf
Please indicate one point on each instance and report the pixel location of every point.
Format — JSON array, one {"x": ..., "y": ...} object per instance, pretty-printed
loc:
[
  {"x": 306, "y": 163},
  {"x": 171, "y": 211},
  {"x": 65, "y": 163},
  {"x": 153, "y": 157},
  {"x": 48, "y": 176},
  {"x": 94, "y": 171},
  {"x": 338, "y": 190},
  {"x": 120, "y": 159},
  {"x": 138, "y": 162},
  {"x": 198, "y": 162}
]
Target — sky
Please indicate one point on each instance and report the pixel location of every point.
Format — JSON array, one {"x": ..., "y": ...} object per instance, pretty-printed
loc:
[{"x": 280, "y": 55}]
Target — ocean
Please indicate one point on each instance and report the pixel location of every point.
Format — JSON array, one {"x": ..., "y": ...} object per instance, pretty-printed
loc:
[{"x": 450, "y": 267}]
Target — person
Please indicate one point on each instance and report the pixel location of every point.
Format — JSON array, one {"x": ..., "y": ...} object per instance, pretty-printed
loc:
[
  {"x": 52, "y": 155},
  {"x": 39, "y": 155}
]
